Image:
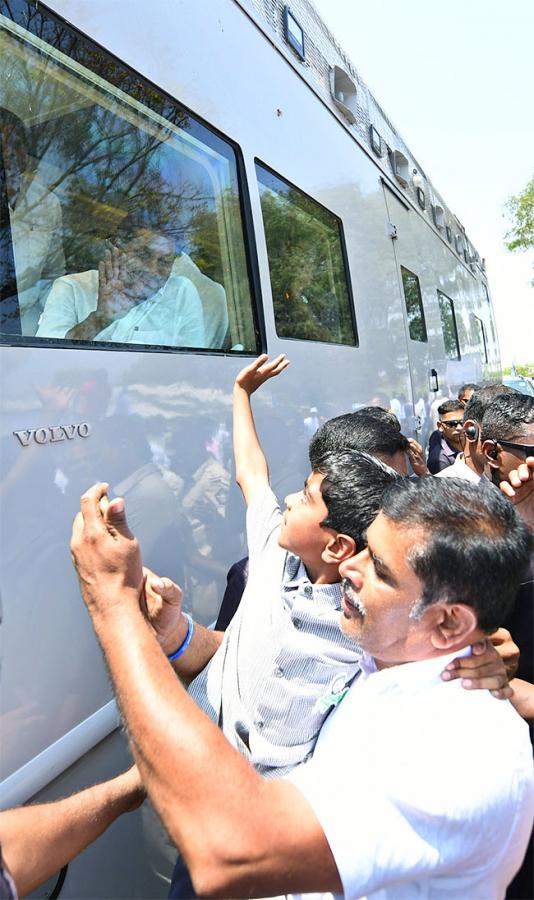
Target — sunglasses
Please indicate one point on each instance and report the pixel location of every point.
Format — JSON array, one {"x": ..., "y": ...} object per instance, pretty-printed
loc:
[
  {"x": 453, "y": 423},
  {"x": 528, "y": 449}
]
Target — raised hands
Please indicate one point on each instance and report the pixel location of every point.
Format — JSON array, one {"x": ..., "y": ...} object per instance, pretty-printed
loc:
[
  {"x": 253, "y": 376},
  {"x": 115, "y": 297}
]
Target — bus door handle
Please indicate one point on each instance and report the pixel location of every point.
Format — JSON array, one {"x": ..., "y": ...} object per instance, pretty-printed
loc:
[{"x": 434, "y": 382}]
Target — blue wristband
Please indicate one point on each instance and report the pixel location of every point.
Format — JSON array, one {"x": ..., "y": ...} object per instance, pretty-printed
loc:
[{"x": 186, "y": 641}]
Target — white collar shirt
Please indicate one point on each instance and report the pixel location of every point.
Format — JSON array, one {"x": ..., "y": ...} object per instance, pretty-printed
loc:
[
  {"x": 423, "y": 789},
  {"x": 172, "y": 317}
]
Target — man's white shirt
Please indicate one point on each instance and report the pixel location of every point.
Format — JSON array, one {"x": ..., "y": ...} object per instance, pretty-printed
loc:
[
  {"x": 173, "y": 316},
  {"x": 422, "y": 788}
]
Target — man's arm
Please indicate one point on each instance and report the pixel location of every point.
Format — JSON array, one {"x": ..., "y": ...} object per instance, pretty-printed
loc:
[
  {"x": 251, "y": 469},
  {"x": 38, "y": 840},
  {"x": 240, "y": 835},
  {"x": 112, "y": 300}
]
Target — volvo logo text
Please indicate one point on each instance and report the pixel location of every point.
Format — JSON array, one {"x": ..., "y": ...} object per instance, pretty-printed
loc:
[{"x": 50, "y": 434}]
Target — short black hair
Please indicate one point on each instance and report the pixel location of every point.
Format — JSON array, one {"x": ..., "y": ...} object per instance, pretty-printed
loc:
[
  {"x": 449, "y": 406},
  {"x": 507, "y": 417},
  {"x": 468, "y": 386},
  {"x": 481, "y": 399},
  {"x": 352, "y": 490},
  {"x": 474, "y": 547},
  {"x": 370, "y": 430}
]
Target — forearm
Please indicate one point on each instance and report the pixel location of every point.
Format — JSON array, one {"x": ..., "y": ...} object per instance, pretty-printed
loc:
[
  {"x": 250, "y": 463},
  {"x": 523, "y": 697},
  {"x": 89, "y": 328},
  {"x": 235, "y": 830},
  {"x": 204, "y": 644},
  {"x": 38, "y": 840}
]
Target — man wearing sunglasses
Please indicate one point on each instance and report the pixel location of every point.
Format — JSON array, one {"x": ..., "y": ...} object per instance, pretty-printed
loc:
[
  {"x": 507, "y": 434},
  {"x": 450, "y": 424}
]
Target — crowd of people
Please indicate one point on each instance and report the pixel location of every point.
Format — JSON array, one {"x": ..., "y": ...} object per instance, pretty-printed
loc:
[{"x": 359, "y": 727}]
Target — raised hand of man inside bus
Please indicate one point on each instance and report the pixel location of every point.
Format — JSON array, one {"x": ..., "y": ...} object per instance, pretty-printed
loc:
[
  {"x": 116, "y": 294},
  {"x": 491, "y": 664}
]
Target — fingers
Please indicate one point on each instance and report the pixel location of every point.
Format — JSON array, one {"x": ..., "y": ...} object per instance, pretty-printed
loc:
[
  {"x": 90, "y": 504},
  {"x": 169, "y": 592},
  {"x": 115, "y": 517},
  {"x": 500, "y": 636}
]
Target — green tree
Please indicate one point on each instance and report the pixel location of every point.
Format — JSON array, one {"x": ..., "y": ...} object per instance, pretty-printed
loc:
[{"x": 521, "y": 211}]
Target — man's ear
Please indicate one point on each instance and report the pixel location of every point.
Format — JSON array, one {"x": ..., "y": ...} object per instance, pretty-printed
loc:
[
  {"x": 452, "y": 625},
  {"x": 439, "y": 426},
  {"x": 491, "y": 454},
  {"x": 339, "y": 547}
]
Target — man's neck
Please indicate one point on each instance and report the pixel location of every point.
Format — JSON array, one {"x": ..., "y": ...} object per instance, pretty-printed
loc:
[{"x": 470, "y": 462}]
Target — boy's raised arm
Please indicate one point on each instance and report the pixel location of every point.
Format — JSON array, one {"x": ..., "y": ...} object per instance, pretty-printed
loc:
[{"x": 250, "y": 464}]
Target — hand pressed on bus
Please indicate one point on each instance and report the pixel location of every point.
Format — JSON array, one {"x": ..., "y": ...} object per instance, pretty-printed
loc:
[{"x": 105, "y": 551}]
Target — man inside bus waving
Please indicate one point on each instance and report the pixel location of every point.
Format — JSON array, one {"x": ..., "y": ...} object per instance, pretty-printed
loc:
[{"x": 131, "y": 298}]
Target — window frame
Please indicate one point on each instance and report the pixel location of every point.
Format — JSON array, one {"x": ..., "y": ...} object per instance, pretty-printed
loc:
[
  {"x": 344, "y": 258},
  {"x": 117, "y": 72},
  {"x": 484, "y": 346},
  {"x": 423, "y": 316},
  {"x": 441, "y": 295}
]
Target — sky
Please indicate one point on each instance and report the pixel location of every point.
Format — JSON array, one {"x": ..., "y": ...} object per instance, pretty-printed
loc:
[{"x": 456, "y": 78}]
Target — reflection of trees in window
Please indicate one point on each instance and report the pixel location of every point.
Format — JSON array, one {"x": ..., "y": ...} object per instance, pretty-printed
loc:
[
  {"x": 414, "y": 305},
  {"x": 106, "y": 155},
  {"x": 310, "y": 295},
  {"x": 448, "y": 322}
]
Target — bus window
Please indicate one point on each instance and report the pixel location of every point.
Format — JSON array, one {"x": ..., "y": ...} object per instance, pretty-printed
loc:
[
  {"x": 121, "y": 212},
  {"x": 479, "y": 337},
  {"x": 309, "y": 282},
  {"x": 448, "y": 323},
  {"x": 414, "y": 305}
]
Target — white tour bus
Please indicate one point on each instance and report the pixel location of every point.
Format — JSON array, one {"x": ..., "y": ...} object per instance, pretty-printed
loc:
[{"x": 182, "y": 186}]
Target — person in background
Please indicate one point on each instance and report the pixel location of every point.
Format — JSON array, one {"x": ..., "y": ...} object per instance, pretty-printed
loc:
[
  {"x": 373, "y": 430},
  {"x": 466, "y": 391},
  {"x": 450, "y": 423},
  {"x": 471, "y": 464},
  {"x": 35, "y": 221}
]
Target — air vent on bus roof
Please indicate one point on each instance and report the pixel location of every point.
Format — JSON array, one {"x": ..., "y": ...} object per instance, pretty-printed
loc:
[{"x": 343, "y": 91}]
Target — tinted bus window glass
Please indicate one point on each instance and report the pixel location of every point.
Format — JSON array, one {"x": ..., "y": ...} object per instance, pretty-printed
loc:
[
  {"x": 479, "y": 337},
  {"x": 121, "y": 212},
  {"x": 448, "y": 323},
  {"x": 414, "y": 305},
  {"x": 308, "y": 279}
]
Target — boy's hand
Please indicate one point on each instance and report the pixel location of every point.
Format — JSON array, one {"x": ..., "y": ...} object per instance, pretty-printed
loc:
[
  {"x": 161, "y": 605},
  {"x": 484, "y": 669},
  {"x": 252, "y": 377}
]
